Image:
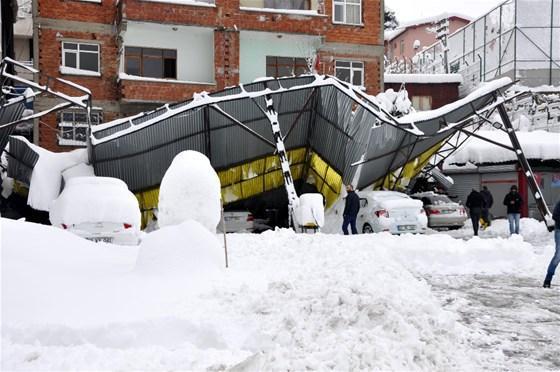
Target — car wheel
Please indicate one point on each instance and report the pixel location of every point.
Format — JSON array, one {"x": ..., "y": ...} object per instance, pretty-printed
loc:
[{"x": 367, "y": 229}]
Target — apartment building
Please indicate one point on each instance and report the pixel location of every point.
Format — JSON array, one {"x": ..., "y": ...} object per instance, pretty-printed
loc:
[
  {"x": 135, "y": 55},
  {"x": 412, "y": 37}
]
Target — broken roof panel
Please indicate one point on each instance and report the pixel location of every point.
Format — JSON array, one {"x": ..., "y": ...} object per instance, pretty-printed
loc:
[{"x": 327, "y": 117}]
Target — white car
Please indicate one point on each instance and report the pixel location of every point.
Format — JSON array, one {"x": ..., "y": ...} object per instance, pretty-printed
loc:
[
  {"x": 390, "y": 211},
  {"x": 441, "y": 211},
  {"x": 98, "y": 209}
]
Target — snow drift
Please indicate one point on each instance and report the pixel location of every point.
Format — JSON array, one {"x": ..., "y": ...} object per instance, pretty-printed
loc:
[{"x": 190, "y": 189}]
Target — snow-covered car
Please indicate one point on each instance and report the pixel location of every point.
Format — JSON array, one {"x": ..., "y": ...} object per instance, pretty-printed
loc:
[
  {"x": 98, "y": 209},
  {"x": 390, "y": 211},
  {"x": 442, "y": 212}
]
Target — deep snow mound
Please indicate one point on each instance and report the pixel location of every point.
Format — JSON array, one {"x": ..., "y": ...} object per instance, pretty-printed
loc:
[
  {"x": 185, "y": 251},
  {"x": 190, "y": 189}
]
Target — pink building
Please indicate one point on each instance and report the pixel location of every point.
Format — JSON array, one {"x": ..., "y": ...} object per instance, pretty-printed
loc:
[{"x": 412, "y": 37}]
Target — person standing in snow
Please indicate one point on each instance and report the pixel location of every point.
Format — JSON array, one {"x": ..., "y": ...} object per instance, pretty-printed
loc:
[
  {"x": 513, "y": 202},
  {"x": 351, "y": 209},
  {"x": 488, "y": 202},
  {"x": 475, "y": 203},
  {"x": 556, "y": 258}
]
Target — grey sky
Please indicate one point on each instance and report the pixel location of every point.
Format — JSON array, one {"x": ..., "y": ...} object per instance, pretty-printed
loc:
[{"x": 409, "y": 10}]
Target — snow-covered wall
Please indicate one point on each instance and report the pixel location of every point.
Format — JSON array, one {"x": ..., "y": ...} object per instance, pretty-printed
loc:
[
  {"x": 256, "y": 46},
  {"x": 194, "y": 45}
]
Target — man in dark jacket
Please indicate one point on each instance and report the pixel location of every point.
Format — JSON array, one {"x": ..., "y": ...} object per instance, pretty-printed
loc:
[
  {"x": 488, "y": 202},
  {"x": 475, "y": 203},
  {"x": 556, "y": 258},
  {"x": 351, "y": 209},
  {"x": 513, "y": 202}
]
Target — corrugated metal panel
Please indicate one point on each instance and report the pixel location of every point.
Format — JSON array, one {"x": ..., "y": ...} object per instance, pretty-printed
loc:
[
  {"x": 326, "y": 119},
  {"x": 463, "y": 185},
  {"x": 9, "y": 112},
  {"x": 21, "y": 160}
]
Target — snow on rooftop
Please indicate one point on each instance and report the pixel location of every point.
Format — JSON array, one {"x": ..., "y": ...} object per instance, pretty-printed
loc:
[
  {"x": 202, "y": 99},
  {"x": 483, "y": 89},
  {"x": 423, "y": 78},
  {"x": 538, "y": 145},
  {"x": 390, "y": 35}
]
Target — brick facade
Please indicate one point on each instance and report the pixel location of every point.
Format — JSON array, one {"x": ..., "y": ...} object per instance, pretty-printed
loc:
[{"x": 103, "y": 23}]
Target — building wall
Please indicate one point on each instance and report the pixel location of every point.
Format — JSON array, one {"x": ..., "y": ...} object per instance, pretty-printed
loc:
[
  {"x": 441, "y": 93},
  {"x": 217, "y": 46},
  {"x": 424, "y": 33},
  {"x": 256, "y": 46}
]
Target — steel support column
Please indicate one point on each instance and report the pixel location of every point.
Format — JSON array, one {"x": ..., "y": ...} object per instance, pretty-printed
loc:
[{"x": 527, "y": 171}]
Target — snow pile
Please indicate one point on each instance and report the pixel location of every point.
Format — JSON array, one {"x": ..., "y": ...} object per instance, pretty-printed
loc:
[
  {"x": 79, "y": 170},
  {"x": 288, "y": 302},
  {"x": 336, "y": 303},
  {"x": 536, "y": 145},
  {"x": 46, "y": 179},
  {"x": 95, "y": 199},
  {"x": 396, "y": 103},
  {"x": 310, "y": 210},
  {"x": 187, "y": 251},
  {"x": 190, "y": 189},
  {"x": 444, "y": 255}
]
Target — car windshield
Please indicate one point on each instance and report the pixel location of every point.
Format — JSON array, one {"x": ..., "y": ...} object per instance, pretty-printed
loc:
[{"x": 440, "y": 199}]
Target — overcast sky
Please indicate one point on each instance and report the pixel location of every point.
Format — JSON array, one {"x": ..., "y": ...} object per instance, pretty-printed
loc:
[{"x": 409, "y": 10}]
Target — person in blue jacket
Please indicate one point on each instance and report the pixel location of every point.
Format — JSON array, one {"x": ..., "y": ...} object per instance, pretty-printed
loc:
[
  {"x": 351, "y": 209},
  {"x": 556, "y": 258}
]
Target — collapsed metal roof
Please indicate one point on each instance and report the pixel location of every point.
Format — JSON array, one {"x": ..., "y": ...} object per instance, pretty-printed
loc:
[{"x": 319, "y": 116}]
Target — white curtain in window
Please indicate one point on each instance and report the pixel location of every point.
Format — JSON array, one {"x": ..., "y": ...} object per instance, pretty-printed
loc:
[{"x": 285, "y": 4}]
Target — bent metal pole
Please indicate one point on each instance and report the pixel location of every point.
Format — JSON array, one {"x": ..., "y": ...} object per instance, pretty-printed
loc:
[
  {"x": 272, "y": 116},
  {"x": 527, "y": 171}
]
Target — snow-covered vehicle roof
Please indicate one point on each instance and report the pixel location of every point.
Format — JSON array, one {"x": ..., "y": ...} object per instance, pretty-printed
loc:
[{"x": 95, "y": 199}]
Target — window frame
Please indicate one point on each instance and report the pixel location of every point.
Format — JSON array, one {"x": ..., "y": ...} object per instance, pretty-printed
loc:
[
  {"x": 419, "y": 102},
  {"x": 78, "y": 51},
  {"x": 345, "y": 4},
  {"x": 63, "y": 125},
  {"x": 140, "y": 57},
  {"x": 297, "y": 62},
  {"x": 351, "y": 69},
  {"x": 307, "y": 6}
]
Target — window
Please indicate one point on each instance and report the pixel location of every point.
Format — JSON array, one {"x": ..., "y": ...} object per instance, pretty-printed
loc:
[
  {"x": 422, "y": 103},
  {"x": 402, "y": 48},
  {"x": 347, "y": 11},
  {"x": 80, "y": 56},
  {"x": 286, "y": 66},
  {"x": 73, "y": 126},
  {"x": 151, "y": 62},
  {"x": 350, "y": 71},
  {"x": 288, "y": 4}
]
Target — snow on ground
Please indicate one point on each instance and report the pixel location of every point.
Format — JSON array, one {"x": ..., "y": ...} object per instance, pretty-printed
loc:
[{"x": 288, "y": 301}]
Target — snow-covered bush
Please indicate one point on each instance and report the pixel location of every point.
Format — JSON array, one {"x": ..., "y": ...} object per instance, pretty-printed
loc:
[{"x": 190, "y": 190}]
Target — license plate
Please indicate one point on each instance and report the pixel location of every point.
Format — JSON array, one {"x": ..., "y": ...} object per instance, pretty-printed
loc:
[
  {"x": 102, "y": 239},
  {"x": 406, "y": 227}
]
